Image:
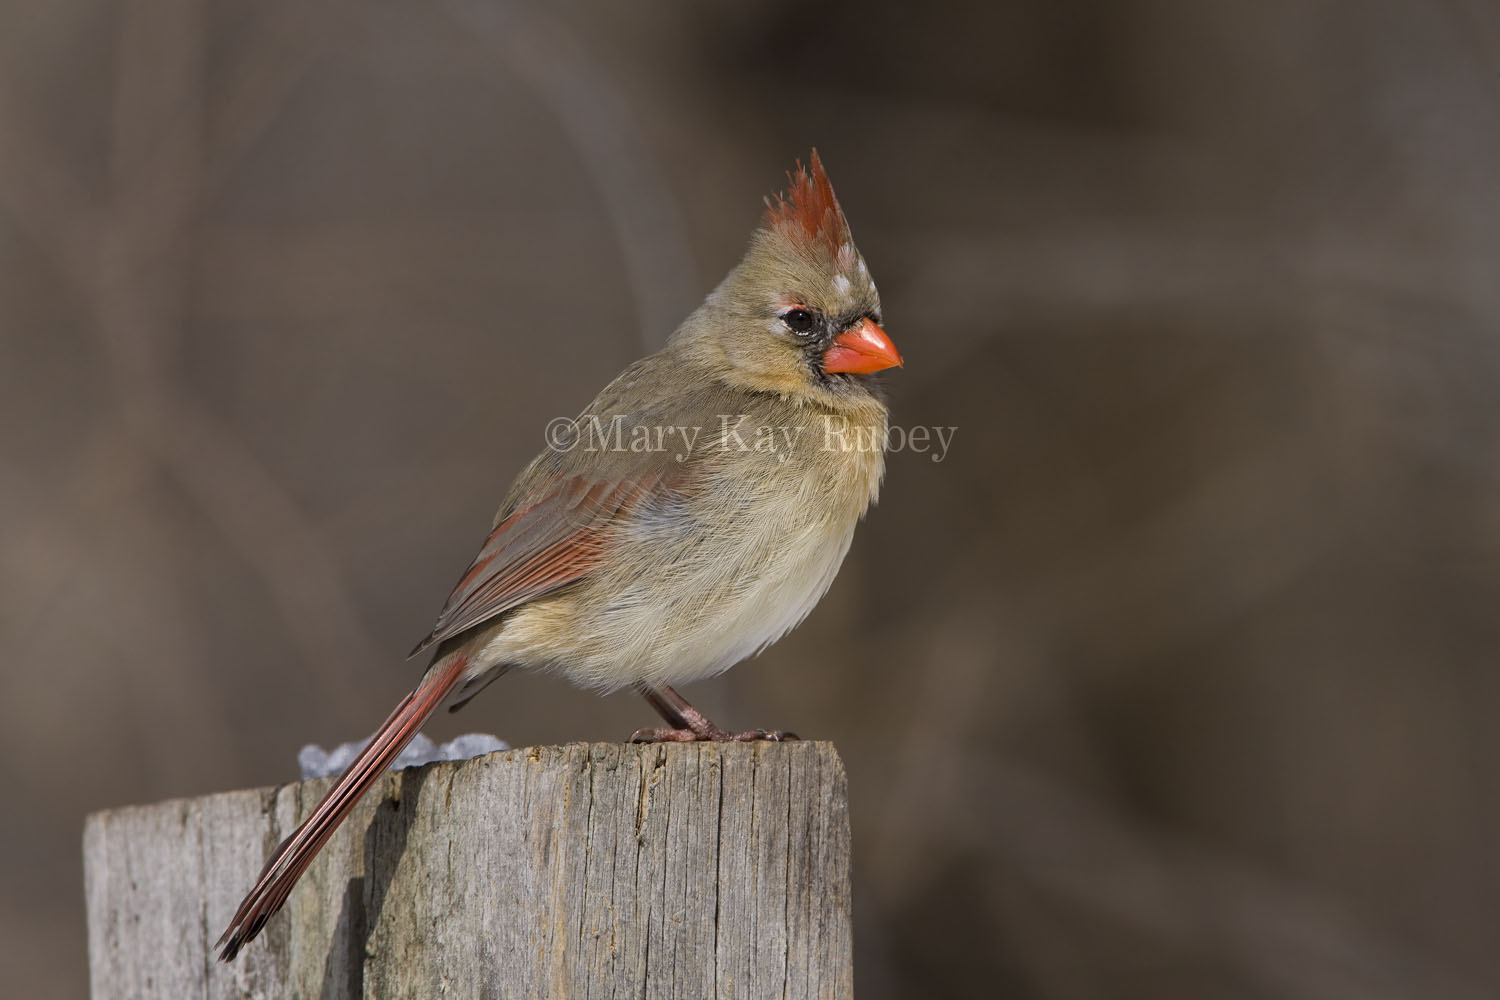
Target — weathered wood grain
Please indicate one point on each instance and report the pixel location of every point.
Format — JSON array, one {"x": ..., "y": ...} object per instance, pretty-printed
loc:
[{"x": 603, "y": 870}]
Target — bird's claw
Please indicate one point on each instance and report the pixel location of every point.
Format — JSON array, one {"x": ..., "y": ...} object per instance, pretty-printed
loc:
[{"x": 712, "y": 734}]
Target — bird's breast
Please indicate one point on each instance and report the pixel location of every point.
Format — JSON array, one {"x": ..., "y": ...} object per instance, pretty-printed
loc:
[{"x": 709, "y": 576}]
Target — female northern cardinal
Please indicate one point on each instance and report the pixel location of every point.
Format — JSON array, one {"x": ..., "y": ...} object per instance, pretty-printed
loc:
[{"x": 691, "y": 516}]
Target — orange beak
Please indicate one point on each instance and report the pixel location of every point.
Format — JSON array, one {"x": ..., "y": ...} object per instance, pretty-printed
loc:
[{"x": 861, "y": 349}]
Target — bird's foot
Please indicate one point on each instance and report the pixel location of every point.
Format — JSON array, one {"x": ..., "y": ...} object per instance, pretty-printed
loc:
[
  {"x": 685, "y": 724},
  {"x": 710, "y": 733}
]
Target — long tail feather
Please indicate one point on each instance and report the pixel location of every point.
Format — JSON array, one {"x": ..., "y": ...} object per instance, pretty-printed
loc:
[{"x": 297, "y": 851}]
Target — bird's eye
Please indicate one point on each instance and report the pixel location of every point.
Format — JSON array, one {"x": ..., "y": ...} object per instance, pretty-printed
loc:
[{"x": 799, "y": 321}]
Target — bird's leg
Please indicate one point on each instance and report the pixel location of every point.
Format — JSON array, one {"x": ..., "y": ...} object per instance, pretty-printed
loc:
[{"x": 687, "y": 724}]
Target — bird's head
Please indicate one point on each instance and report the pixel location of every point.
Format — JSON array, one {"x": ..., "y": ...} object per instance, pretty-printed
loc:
[{"x": 800, "y": 313}]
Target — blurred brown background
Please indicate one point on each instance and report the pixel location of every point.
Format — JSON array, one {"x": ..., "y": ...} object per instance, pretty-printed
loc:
[{"x": 1176, "y": 679}]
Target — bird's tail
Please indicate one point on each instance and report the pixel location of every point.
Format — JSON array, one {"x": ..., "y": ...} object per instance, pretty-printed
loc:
[{"x": 297, "y": 851}]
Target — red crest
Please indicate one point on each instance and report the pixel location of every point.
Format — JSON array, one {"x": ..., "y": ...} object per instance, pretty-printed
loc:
[{"x": 808, "y": 213}]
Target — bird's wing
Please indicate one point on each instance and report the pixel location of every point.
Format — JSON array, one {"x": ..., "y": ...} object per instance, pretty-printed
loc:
[{"x": 547, "y": 542}]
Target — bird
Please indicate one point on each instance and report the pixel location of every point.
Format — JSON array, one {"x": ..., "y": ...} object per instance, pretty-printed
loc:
[{"x": 687, "y": 518}]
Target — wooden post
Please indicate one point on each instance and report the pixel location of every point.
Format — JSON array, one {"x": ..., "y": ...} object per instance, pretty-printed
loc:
[{"x": 603, "y": 870}]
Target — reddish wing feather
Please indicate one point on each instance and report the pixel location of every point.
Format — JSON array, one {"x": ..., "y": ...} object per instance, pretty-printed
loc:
[{"x": 539, "y": 548}]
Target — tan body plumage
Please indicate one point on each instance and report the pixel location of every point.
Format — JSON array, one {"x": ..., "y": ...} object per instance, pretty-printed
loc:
[{"x": 734, "y": 552}]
